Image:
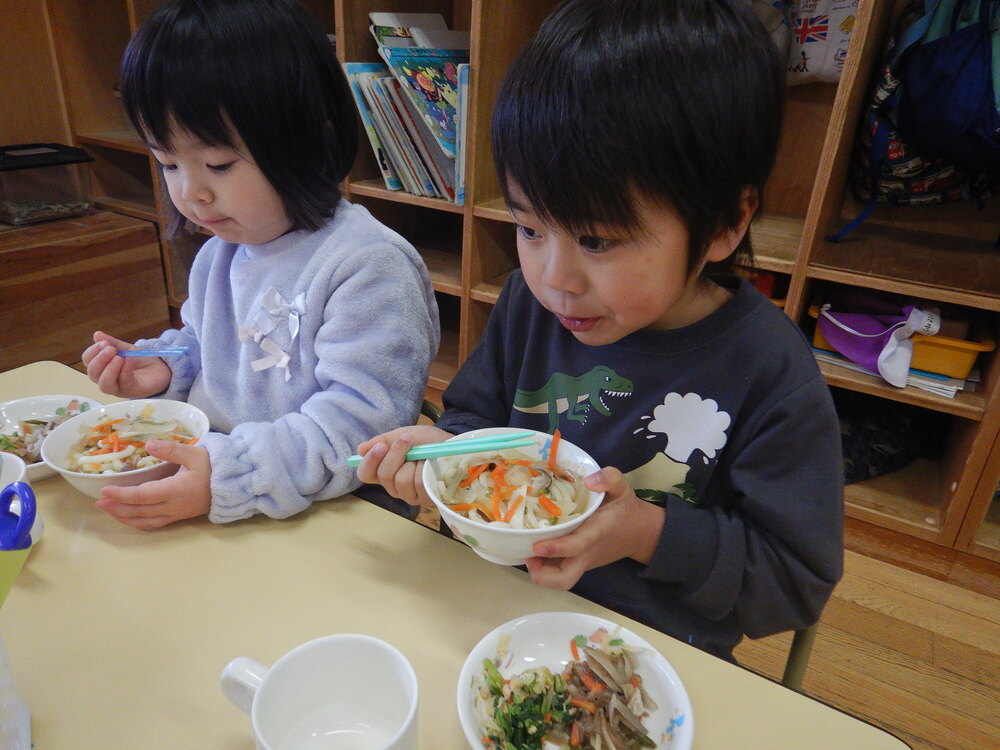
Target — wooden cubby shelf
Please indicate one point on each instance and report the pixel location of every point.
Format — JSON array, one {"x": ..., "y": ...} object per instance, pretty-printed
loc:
[{"x": 942, "y": 253}]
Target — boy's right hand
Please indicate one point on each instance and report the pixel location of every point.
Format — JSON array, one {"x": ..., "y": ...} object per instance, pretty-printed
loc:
[
  {"x": 385, "y": 462},
  {"x": 132, "y": 377}
]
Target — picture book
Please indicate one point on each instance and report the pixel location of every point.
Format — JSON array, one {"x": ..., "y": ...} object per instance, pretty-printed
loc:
[
  {"x": 440, "y": 38},
  {"x": 462, "y": 132},
  {"x": 388, "y": 137},
  {"x": 392, "y": 181},
  {"x": 380, "y": 88},
  {"x": 441, "y": 167},
  {"x": 395, "y": 29},
  {"x": 430, "y": 78}
]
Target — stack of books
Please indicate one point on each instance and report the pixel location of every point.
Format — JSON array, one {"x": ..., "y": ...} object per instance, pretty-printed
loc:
[
  {"x": 933, "y": 382},
  {"x": 414, "y": 105}
]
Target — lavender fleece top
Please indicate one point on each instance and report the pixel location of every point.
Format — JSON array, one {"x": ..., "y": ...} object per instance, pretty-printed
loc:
[{"x": 358, "y": 299}]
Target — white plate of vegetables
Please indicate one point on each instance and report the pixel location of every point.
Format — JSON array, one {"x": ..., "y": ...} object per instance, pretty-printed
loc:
[
  {"x": 565, "y": 680},
  {"x": 25, "y": 423}
]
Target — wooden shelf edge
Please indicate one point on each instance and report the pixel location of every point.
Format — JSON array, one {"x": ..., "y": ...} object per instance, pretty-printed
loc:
[
  {"x": 445, "y": 269},
  {"x": 967, "y": 405},
  {"x": 377, "y": 189},
  {"x": 135, "y": 209},
  {"x": 776, "y": 241},
  {"x": 914, "y": 263},
  {"x": 120, "y": 140},
  {"x": 910, "y": 499},
  {"x": 494, "y": 209}
]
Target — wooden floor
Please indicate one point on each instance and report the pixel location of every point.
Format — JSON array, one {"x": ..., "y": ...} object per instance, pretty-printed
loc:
[{"x": 915, "y": 655}]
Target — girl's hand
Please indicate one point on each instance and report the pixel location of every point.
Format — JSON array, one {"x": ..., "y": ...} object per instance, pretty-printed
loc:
[
  {"x": 134, "y": 377},
  {"x": 624, "y": 526},
  {"x": 384, "y": 462},
  {"x": 186, "y": 494}
]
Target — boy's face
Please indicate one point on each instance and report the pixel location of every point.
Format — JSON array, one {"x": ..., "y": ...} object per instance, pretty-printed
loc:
[
  {"x": 217, "y": 188},
  {"x": 604, "y": 287}
]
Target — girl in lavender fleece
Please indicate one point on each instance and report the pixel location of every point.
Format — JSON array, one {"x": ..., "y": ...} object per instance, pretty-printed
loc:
[{"x": 311, "y": 325}]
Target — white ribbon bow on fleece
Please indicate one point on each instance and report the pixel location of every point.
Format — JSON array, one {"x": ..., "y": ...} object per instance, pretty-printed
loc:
[{"x": 275, "y": 309}]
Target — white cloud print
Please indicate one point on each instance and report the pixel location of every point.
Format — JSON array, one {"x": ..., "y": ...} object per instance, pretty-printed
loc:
[{"x": 690, "y": 423}]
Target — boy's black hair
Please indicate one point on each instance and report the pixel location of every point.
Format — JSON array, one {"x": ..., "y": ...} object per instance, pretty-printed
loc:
[
  {"x": 258, "y": 70},
  {"x": 677, "y": 100}
]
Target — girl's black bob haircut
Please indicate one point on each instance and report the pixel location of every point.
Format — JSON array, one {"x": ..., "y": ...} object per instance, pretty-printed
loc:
[
  {"x": 260, "y": 71},
  {"x": 676, "y": 101}
]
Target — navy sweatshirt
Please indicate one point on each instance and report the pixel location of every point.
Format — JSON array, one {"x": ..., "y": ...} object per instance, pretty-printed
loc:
[{"x": 728, "y": 423}]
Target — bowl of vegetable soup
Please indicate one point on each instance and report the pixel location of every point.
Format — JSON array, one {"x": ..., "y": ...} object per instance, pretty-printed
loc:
[
  {"x": 568, "y": 680},
  {"x": 106, "y": 445},
  {"x": 501, "y": 502}
]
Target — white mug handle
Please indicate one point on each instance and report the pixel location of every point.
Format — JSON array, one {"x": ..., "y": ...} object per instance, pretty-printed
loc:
[{"x": 240, "y": 680}]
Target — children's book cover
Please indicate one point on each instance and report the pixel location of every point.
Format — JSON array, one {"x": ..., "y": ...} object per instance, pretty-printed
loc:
[
  {"x": 430, "y": 79},
  {"x": 392, "y": 181}
]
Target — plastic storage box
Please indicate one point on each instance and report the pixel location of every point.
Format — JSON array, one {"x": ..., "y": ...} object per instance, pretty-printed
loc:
[
  {"x": 943, "y": 355},
  {"x": 42, "y": 181}
]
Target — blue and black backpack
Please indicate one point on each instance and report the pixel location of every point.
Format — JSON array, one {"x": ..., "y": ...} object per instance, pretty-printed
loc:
[{"x": 931, "y": 132}]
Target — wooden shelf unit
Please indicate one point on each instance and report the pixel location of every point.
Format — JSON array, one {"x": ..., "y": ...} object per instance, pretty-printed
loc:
[{"x": 941, "y": 253}]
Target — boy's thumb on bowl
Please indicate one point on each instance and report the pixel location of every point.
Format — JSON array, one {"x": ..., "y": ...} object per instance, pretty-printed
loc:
[{"x": 167, "y": 450}]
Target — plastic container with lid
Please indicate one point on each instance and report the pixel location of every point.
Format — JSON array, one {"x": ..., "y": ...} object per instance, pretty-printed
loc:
[{"x": 42, "y": 181}]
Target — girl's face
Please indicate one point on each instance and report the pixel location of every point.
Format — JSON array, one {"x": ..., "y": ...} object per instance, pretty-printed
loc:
[
  {"x": 218, "y": 188},
  {"x": 604, "y": 287}
]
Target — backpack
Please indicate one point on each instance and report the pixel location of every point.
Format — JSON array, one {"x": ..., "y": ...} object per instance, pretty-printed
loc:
[{"x": 931, "y": 132}]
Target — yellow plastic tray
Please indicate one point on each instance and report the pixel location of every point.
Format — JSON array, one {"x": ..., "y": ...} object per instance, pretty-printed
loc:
[{"x": 939, "y": 354}]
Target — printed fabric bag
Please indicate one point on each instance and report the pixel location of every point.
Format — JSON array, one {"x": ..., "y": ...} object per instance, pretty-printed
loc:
[
  {"x": 874, "y": 330},
  {"x": 820, "y": 33},
  {"x": 931, "y": 132}
]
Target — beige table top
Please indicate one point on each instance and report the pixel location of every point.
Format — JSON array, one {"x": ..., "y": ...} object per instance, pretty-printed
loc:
[{"x": 117, "y": 637}]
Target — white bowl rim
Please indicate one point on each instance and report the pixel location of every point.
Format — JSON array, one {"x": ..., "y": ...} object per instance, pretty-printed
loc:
[
  {"x": 114, "y": 404},
  {"x": 469, "y": 669},
  {"x": 571, "y": 524}
]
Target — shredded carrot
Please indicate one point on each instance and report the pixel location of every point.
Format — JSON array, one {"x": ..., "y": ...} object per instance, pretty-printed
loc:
[
  {"x": 513, "y": 508},
  {"x": 105, "y": 426},
  {"x": 583, "y": 703},
  {"x": 574, "y": 734},
  {"x": 636, "y": 680},
  {"x": 550, "y": 507},
  {"x": 593, "y": 685},
  {"x": 499, "y": 487},
  {"x": 474, "y": 471},
  {"x": 553, "y": 449},
  {"x": 115, "y": 445},
  {"x": 573, "y": 649}
]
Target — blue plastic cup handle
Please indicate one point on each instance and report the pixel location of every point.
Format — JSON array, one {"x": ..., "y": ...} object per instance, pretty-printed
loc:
[{"x": 15, "y": 529}]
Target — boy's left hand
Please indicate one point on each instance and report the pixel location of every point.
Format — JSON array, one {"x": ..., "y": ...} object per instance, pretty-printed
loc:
[
  {"x": 186, "y": 494},
  {"x": 624, "y": 526}
]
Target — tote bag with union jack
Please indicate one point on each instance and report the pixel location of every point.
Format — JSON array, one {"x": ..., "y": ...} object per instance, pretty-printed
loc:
[{"x": 820, "y": 32}]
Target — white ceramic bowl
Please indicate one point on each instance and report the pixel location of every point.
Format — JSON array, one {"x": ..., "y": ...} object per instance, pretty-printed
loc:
[
  {"x": 58, "y": 445},
  {"x": 37, "y": 407},
  {"x": 13, "y": 469},
  {"x": 501, "y": 545},
  {"x": 542, "y": 640}
]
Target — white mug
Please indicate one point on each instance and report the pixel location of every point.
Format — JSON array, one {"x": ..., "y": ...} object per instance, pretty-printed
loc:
[{"x": 338, "y": 692}]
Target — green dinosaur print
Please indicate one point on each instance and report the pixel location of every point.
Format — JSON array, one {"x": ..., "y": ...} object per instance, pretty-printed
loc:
[{"x": 573, "y": 396}]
